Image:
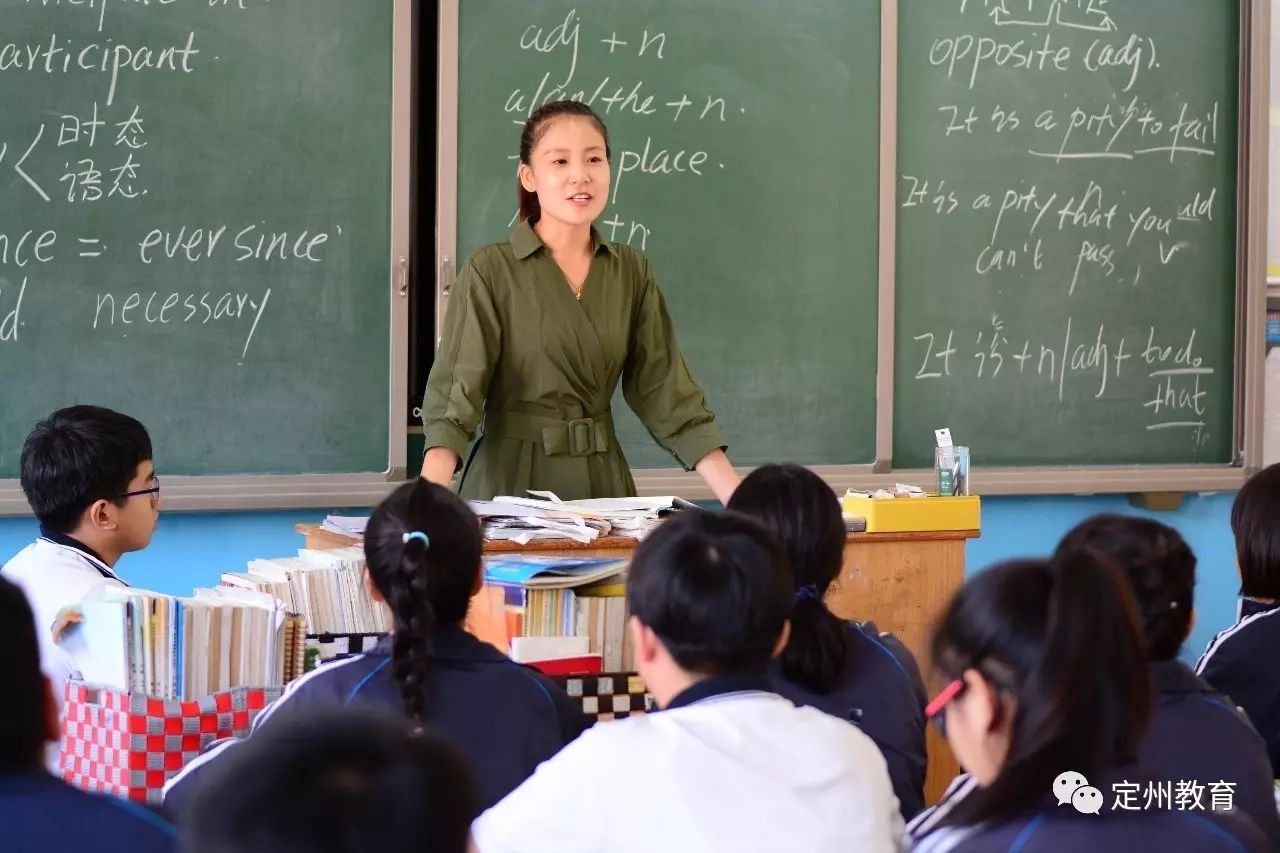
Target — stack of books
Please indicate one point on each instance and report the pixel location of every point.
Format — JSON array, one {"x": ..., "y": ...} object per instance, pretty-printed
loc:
[
  {"x": 170, "y": 648},
  {"x": 327, "y": 588},
  {"x": 562, "y": 614}
]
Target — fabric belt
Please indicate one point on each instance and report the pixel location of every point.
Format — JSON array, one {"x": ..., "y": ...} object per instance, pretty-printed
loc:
[{"x": 576, "y": 437}]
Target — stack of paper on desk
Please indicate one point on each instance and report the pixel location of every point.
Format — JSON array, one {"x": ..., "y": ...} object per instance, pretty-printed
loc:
[{"x": 347, "y": 525}]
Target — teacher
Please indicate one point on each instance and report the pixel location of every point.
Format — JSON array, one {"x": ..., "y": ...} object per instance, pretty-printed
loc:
[{"x": 541, "y": 327}]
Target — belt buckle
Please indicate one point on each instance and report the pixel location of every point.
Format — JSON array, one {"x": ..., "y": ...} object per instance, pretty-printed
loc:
[{"x": 582, "y": 436}]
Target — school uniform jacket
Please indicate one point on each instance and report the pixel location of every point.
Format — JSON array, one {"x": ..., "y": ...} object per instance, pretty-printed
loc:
[
  {"x": 881, "y": 692},
  {"x": 1197, "y": 734},
  {"x": 40, "y": 813},
  {"x": 505, "y": 718},
  {"x": 1242, "y": 663},
  {"x": 53, "y": 572},
  {"x": 1053, "y": 828}
]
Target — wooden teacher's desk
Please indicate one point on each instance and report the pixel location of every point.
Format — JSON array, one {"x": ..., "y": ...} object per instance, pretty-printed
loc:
[{"x": 900, "y": 581}]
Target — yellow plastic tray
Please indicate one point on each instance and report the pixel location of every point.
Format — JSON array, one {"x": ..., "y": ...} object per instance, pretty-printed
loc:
[{"x": 932, "y": 512}]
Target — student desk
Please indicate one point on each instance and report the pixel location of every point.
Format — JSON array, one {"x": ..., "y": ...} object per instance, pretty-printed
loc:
[{"x": 900, "y": 581}]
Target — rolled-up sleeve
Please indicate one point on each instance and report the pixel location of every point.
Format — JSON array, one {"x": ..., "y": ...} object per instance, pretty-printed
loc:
[
  {"x": 659, "y": 388},
  {"x": 460, "y": 376}
]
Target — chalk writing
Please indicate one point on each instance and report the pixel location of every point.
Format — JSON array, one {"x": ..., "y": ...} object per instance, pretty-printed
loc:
[
  {"x": 105, "y": 151},
  {"x": 1108, "y": 208}
]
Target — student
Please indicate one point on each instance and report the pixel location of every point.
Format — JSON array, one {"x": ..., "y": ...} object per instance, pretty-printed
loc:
[
  {"x": 727, "y": 764},
  {"x": 1195, "y": 733},
  {"x": 540, "y": 330},
  {"x": 335, "y": 782},
  {"x": 848, "y": 669},
  {"x": 1242, "y": 660},
  {"x": 422, "y": 546},
  {"x": 1048, "y": 675},
  {"x": 87, "y": 473},
  {"x": 37, "y": 811}
]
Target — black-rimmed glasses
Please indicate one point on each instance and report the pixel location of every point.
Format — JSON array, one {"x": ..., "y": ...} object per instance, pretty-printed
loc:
[{"x": 154, "y": 492}]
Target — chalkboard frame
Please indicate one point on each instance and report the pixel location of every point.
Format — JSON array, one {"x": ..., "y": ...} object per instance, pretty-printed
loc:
[
  {"x": 1254, "y": 84},
  {"x": 297, "y": 491}
]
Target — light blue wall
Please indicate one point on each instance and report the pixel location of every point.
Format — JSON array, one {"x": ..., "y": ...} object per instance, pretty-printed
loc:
[
  {"x": 192, "y": 550},
  {"x": 1018, "y": 527}
]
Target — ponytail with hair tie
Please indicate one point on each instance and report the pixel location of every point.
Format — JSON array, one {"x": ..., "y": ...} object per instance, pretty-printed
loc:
[
  {"x": 1066, "y": 634},
  {"x": 425, "y": 578}
]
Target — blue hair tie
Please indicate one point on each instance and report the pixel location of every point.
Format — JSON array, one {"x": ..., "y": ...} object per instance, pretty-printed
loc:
[
  {"x": 808, "y": 592},
  {"x": 416, "y": 534}
]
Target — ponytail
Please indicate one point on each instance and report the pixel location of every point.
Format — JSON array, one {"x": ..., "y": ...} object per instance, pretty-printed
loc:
[
  {"x": 423, "y": 549},
  {"x": 803, "y": 512},
  {"x": 1062, "y": 639},
  {"x": 527, "y": 201}
]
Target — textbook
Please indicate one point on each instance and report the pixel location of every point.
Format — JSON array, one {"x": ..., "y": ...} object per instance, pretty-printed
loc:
[
  {"x": 174, "y": 648},
  {"x": 534, "y": 570}
]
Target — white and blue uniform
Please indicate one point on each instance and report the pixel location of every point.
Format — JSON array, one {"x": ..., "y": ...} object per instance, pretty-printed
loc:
[
  {"x": 1242, "y": 663},
  {"x": 1054, "y": 828},
  {"x": 881, "y": 692},
  {"x": 55, "y": 572}
]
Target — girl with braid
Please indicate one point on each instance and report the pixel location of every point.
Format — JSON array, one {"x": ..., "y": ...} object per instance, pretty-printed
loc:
[{"x": 422, "y": 546}]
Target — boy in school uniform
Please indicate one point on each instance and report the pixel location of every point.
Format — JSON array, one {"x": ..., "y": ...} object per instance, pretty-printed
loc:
[
  {"x": 87, "y": 473},
  {"x": 727, "y": 764},
  {"x": 37, "y": 811}
]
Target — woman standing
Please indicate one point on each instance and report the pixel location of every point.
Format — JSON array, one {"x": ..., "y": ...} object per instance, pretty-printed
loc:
[{"x": 540, "y": 330}]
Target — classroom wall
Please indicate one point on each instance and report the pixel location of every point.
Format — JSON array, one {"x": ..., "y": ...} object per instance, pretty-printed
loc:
[{"x": 191, "y": 550}]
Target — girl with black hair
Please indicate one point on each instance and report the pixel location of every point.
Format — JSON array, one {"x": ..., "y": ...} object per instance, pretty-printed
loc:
[
  {"x": 1241, "y": 661},
  {"x": 1047, "y": 702},
  {"x": 847, "y": 669},
  {"x": 423, "y": 550},
  {"x": 1196, "y": 733}
]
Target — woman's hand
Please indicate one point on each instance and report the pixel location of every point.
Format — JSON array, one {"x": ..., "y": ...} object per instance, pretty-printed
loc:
[
  {"x": 439, "y": 465},
  {"x": 717, "y": 472}
]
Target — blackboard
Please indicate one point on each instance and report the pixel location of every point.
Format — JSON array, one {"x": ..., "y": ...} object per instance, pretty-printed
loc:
[
  {"x": 745, "y": 166},
  {"x": 195, "y": 227},
  {"x": 1066, "y": 230}
]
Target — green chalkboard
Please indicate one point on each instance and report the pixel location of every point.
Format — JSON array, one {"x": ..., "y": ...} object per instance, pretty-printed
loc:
[
  {"x": 1066, "y": 230},
  {"x": 195, "y": 227},
  {"x": 767, "y": 254}
]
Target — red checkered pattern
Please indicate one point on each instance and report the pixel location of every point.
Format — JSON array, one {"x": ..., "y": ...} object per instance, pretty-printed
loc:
[{"x": 129, "y": 745}]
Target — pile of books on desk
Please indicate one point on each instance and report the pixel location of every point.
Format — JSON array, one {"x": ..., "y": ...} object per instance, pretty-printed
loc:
[
  {"x": 563, "y": 614},
  {"x": 326, "y": 587}
]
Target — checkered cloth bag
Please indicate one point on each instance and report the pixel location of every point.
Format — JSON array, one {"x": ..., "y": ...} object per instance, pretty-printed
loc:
[
  {"x": 608, "y": 696},
  {"x": 129, "y": 745}
]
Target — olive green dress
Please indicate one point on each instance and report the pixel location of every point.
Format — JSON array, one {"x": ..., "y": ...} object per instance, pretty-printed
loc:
[{"x": 535, "y": 369}]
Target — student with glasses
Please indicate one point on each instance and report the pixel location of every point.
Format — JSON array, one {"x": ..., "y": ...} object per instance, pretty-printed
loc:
[
  {"x": 1047, "y": 675},
  {"x": 88, "y": 475}
]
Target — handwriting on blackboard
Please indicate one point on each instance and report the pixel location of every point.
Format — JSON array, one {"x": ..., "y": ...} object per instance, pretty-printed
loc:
[
  {"x": 574, "y": 42},
  {"x": 104, "y": 149},
  {"x": 1082, "y": 233}
]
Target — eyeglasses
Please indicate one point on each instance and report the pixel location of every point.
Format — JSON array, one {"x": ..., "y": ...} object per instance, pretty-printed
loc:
[
  {"x": 935, "y": 711},
  {"x": 154, "y": 492}
]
